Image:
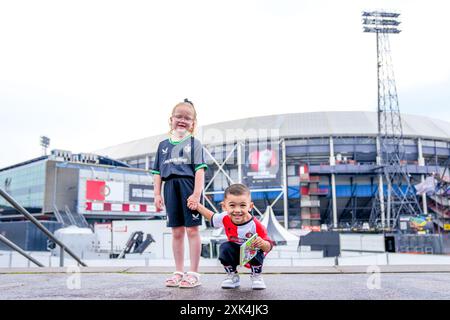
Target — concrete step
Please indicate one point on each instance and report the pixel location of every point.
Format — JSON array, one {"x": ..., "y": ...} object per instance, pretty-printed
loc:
[{"x": 295, "y": 255}]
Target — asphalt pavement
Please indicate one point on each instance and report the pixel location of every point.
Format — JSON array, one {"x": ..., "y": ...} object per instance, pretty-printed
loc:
[{"x": 313, "y": 283}]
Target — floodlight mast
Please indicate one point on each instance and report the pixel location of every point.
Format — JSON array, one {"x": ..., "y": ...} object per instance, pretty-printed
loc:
[
  {"x": 401, "y": 198},
  {"x": 45, "y": 142}
]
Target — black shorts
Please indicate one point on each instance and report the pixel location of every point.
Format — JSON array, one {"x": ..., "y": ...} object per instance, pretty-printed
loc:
[{"x": 176, "y": 192}]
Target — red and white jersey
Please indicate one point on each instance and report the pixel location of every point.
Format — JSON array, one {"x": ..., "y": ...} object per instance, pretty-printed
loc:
[{"x": 239, "y": 233}]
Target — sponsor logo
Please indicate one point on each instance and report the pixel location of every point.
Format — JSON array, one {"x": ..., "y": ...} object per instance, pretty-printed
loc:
[{"x": 176, "y": 160}]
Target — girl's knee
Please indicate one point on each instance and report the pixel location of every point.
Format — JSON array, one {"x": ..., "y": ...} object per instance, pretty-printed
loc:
[
  {"x": 192, "y": 232},
  {"x": 178, "y": 232}
]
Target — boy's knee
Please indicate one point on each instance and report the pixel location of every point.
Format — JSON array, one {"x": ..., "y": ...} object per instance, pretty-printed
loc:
[
  {"x": 226, "y": 246},
  {"x": 227, "y": 252}
]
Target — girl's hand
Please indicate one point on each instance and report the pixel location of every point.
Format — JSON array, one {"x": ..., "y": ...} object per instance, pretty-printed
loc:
[
  {"x": 193, "y": 201},
  {"x": 192, "y": 205},
  {"x": 159, "y": 203}
]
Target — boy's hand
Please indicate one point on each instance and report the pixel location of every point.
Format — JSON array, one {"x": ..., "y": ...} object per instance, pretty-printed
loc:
[
  {"x": 159, "y": 202},
  {"x": 260, "y": 243}
]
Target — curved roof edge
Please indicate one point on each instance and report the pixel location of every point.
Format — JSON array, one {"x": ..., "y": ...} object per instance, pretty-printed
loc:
[{"x": 308, "y": 124}]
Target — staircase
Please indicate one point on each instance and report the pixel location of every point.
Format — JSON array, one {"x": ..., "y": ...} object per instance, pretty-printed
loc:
[{"x": 309, "y": 200}]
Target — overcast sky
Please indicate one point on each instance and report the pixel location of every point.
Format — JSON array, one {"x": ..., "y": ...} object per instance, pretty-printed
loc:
[{"x": 91, "y": 74}]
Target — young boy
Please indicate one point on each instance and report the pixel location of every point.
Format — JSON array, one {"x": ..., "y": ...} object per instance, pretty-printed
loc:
[{"x": 239, "y": 225}]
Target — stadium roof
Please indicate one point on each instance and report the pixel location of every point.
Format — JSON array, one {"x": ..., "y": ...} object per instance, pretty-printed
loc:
[{"x": 292, "y": 125}]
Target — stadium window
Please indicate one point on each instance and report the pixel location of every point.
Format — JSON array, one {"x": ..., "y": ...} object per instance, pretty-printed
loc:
[
  {"x": 297, "y": 142},
  {"x": 428, "y": 143},
  {"x": 318, "y": 141},
  {"x": 365, "y": 140},
  {"x": 344, "y": 140},
  {"x": 409, "y": 142}
]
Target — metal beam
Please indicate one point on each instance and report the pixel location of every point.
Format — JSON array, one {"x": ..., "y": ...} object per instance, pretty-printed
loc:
[{"x": 285, "y": 185}]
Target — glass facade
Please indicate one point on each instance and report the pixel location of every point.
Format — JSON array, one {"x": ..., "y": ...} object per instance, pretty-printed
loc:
[{"x": 26, "y": 184}]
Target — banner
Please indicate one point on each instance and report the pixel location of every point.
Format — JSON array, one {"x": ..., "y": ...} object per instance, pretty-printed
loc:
[
  {"x": 262, "y": 164},
  {"x": 98, "y": 190},
  {"x": 141, "y": 193}
]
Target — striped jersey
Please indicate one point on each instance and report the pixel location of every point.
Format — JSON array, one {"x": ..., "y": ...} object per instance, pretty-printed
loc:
[{"x": 239, "y": 233}]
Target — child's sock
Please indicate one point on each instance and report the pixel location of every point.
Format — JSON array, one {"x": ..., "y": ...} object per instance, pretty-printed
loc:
[
  {"x": 256, "y": 269},
  {"x": 230, "y": 269}
]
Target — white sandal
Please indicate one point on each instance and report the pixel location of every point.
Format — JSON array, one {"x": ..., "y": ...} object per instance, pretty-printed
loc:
[
  {"x": 190, "y": 280},
  {"x": 175, "y": 279}
]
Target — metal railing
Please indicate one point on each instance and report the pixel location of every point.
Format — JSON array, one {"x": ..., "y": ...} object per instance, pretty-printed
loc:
[
  {"x": 28, "y": 216},
  {"x": 13, "y": 246}
]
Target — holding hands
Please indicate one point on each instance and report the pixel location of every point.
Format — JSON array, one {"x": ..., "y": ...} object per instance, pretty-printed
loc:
[{"x": 193, "y": 201}]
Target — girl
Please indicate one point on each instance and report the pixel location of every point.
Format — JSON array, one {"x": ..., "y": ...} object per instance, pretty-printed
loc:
[{"x": 180, "y": 164}]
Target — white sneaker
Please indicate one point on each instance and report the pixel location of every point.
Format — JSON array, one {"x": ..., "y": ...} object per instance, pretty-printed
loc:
[
  {"x": 257, "y": 282},
  {"x": 231, "y": 281}
]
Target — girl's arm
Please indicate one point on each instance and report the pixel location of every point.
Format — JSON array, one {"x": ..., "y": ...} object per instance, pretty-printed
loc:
[
  {"x": 199, "y": 182},
  {"x": 159, "y": 202},
  {"x": 194, "y": 199}
]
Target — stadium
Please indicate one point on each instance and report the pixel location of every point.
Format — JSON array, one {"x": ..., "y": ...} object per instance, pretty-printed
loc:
[{"x": 321, "y": 174}]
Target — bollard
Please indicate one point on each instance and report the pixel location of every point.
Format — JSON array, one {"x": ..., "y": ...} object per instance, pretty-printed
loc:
[
  {"x": 10, "y": 258},
  {"x": 61, "y": 257}
]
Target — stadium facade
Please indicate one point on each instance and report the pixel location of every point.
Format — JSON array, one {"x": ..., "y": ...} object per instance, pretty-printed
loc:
[{"x": 325, "y": 163}]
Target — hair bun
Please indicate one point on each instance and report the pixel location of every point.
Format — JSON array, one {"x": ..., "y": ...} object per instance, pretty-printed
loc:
[{"x": 187, "y": 101}]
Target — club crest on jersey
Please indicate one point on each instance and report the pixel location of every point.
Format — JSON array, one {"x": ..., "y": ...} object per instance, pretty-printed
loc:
[
  {"x": 164, "y": 151},
  {"x": 248, "y": 235},
  {"x": 187, "y": 148}
]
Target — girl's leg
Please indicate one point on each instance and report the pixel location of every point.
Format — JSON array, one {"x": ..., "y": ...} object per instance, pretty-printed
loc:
[
  {"x": 194, "y": 247},
  {"x": 178, "y": 247}
]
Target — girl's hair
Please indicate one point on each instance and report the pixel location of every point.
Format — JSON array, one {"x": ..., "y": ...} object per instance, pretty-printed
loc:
[{"x": 188, "y": 103}]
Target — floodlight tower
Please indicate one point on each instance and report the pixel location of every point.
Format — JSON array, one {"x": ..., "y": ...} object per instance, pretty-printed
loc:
[
  {"x": 45, "y": 142},
  {"x": 400, "y": 197}
]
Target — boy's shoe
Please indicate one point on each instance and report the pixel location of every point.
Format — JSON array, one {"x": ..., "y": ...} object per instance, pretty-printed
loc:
[
  {"x": 257, "y": 282},
  {"x": 231, "y": 281}
]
